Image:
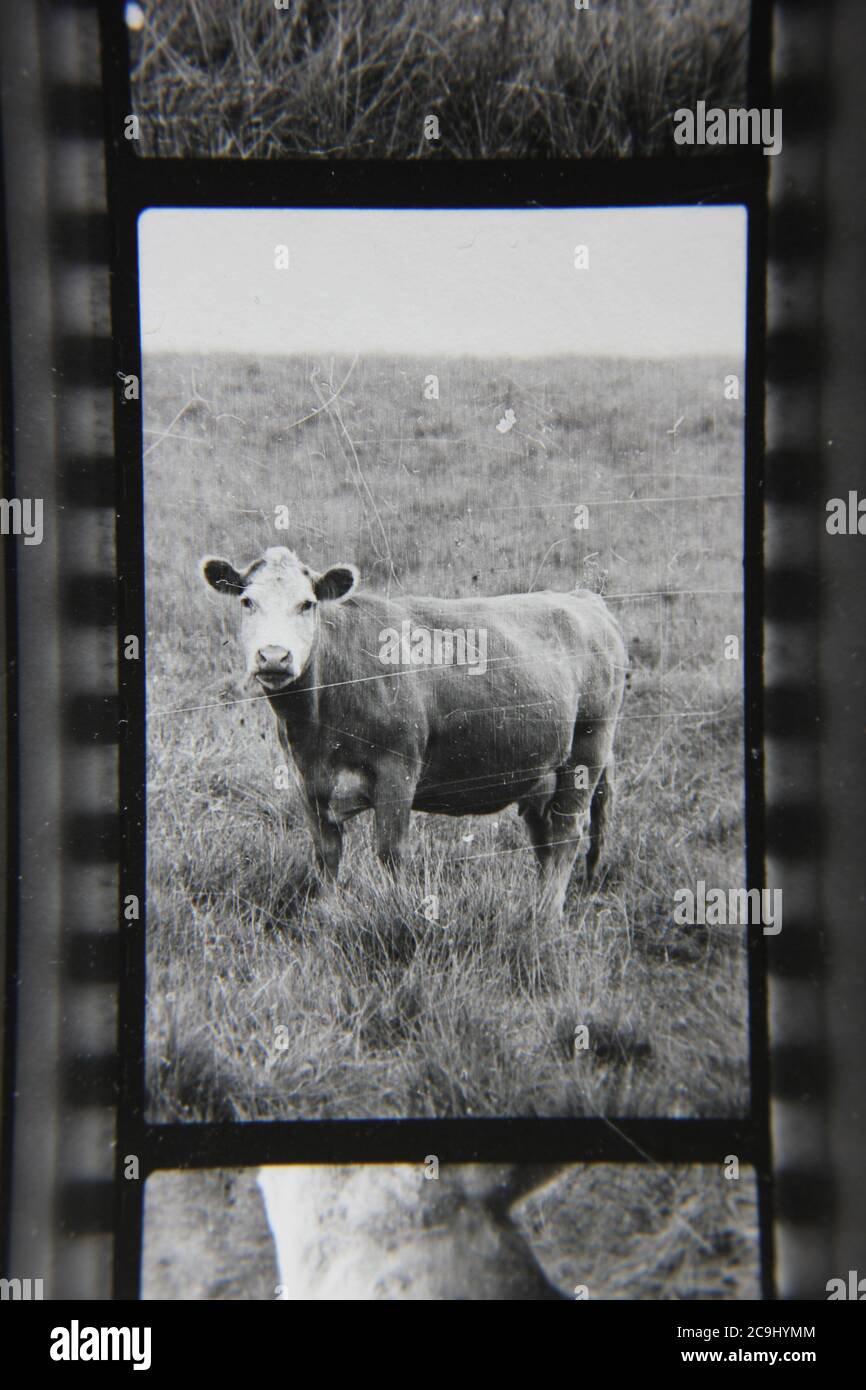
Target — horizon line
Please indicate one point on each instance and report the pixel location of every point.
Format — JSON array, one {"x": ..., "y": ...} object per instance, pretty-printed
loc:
[{"x": 739, "y": 354}]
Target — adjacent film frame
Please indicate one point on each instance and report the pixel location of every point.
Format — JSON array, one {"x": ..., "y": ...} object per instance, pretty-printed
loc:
[{"x": 102, "y": 1206}]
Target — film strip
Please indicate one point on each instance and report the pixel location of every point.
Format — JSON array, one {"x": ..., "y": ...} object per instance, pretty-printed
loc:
[
  {"x": 62, "y": 1058},
  {"x": 74, "y": 1210},
  {"x": 797, "y": 962},
  {"x": 809, "y": 412}
]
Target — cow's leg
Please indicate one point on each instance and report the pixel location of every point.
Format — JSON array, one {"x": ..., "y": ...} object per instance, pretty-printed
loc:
[
  {"x": 556, "y": 839},
  {"x": 395, "y": 792},
  {"x": 327, "y": 839},
  {"x": 581, "y": 796},
  {"x": 592, "y": 749},
  {"x": 538, "y": 828},
  {"x": 564, "y": 836},
  {"x": 600, "y": 814}
]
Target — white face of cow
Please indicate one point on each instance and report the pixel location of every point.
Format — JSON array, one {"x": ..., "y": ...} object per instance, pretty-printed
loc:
[{"x": 279, "y": 600}]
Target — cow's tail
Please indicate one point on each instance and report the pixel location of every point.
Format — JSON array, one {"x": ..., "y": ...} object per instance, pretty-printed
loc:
[{"x": 600, "y": 815}]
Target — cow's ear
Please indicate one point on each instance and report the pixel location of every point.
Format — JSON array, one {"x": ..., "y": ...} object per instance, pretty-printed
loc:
[
  {"x": 221, "y": 576},
  {"x": 336, "y": 583}
]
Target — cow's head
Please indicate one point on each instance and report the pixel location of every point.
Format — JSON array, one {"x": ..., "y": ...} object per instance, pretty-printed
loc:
[{"x": 279, "y": 599}]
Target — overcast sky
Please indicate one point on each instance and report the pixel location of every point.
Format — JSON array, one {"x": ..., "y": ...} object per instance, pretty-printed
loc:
[{"x": 661, "y": 281}]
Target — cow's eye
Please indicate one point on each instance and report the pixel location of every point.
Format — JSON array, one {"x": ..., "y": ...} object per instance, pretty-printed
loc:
[
  {"x": 246, "y": 603},
  {"x": 306, "y": 605}
]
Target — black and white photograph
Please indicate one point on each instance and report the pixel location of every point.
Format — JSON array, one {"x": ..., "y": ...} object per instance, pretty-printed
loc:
[
  {"x": 472, "y": 1232},
  {"x": 429, "y": 79},
  {"x": 443, "y": 519},
  {"x": 431, "y": 589}
]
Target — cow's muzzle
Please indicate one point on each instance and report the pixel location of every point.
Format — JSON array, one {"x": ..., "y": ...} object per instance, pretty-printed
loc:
[{"x": 274, "y": 667}]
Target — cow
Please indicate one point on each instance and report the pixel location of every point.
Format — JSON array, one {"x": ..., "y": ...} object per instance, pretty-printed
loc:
[{"x": 455, "y": 707}]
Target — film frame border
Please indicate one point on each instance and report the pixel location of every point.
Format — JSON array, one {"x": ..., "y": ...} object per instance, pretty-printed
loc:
[
  {"x": 92, "y": 714},
  {"x": 138, "y": 183}
]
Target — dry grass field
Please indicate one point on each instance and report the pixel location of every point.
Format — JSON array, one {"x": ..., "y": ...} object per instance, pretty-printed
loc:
[
  {"x": 267, "y": 1003},
  {"x": 358, "y": 78}
]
